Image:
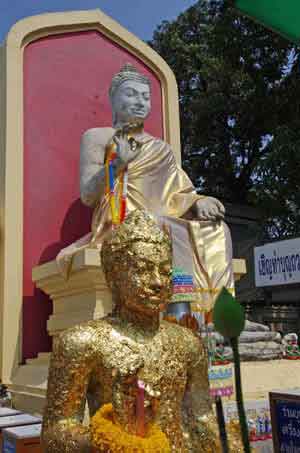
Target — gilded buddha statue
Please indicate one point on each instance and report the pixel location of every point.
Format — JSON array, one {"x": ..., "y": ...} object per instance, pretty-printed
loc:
[
  {"x": 101, "y": 361},
  {"x": 202, "y": 251}
]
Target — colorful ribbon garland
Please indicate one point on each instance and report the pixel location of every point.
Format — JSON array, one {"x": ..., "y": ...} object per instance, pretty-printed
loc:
[{"x": 117, "y": 193}]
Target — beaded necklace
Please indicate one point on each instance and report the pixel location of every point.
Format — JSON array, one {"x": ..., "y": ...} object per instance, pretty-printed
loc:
[{"x": 116, "y": 191}]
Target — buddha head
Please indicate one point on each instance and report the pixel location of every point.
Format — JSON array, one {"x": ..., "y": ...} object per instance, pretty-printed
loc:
[
  {"x": 130, "y": 96},
  {"x": 136, "y": 260}
]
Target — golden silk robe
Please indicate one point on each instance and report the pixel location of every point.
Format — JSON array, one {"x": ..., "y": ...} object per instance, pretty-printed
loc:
[{"x": 202, "y": 250}]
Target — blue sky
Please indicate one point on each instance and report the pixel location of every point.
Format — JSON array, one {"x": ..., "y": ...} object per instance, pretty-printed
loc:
[{"x": 139, "y": 16}]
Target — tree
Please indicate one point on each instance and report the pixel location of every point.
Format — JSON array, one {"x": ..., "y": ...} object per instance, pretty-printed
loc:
[{"x": 239, "y": 105}]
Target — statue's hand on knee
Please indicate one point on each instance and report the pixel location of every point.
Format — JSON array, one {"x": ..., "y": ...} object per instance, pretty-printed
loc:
[{"x": 209, "y": 208}]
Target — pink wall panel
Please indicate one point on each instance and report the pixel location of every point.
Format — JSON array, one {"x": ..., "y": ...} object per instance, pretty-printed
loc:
[{"x": 66, "y": 81}]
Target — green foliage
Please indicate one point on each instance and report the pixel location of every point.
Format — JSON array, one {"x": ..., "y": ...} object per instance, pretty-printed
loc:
[
  {"x": 239, "y": 104},
  {"x": 228, "y": 315}
]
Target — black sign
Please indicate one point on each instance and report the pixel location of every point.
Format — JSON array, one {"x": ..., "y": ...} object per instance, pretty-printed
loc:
[{"x": 285, "y": 415}]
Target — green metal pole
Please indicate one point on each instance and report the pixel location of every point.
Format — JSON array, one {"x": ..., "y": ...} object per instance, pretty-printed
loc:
[
  {"x": 221, "y": 423},
  {"x": 239, "y": 394}
]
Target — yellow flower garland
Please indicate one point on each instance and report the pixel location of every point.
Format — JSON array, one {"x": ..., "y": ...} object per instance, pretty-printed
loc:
[{"x": 110, "y": 438}]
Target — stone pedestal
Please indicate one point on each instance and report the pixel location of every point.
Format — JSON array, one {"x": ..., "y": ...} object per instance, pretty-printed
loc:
[
  {"x": 29, "y": 385},
  {"x": 84, "y": 296}
]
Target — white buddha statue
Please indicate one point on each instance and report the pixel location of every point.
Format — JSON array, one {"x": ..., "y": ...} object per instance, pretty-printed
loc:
[{"x": 202, "y": 251}]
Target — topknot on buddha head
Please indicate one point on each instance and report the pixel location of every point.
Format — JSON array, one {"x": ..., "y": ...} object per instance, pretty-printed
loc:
[
  {"x": 138, "y": 243},
  {"x": 128, "y": 72}
]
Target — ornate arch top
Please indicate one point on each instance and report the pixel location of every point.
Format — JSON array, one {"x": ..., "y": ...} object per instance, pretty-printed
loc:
[{"x": 33, "y": 28}]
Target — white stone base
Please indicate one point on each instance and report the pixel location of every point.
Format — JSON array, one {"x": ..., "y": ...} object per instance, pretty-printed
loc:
[
  {"x": 84, "y": 296},
  {"x": 29, "y": 385}
]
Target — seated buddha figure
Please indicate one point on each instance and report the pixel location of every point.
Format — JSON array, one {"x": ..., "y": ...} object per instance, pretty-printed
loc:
[
  {"x": 202, "y": 251},
  {"x": 102, "y": 361}
]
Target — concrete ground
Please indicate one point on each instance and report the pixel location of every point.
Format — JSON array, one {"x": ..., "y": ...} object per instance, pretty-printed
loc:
[{"x": 260, "y": 378}]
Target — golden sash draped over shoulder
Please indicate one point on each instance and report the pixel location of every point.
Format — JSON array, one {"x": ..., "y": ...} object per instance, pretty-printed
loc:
[
  {"x": 155, "y": 183},
  {"x": 201, "y": 249}
]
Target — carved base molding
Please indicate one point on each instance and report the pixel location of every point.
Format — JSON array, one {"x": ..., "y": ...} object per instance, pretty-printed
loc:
[{"x": 84, "y": 296}]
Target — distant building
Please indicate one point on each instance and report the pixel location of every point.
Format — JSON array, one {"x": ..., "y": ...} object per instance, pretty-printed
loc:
[{"x": 270, "y": 291}]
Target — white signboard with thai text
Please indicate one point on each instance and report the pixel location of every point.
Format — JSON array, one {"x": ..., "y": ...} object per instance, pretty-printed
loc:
[{"x": 277, "y": 263}]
